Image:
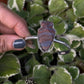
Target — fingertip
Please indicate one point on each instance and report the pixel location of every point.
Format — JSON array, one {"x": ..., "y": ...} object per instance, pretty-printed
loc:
[{"x": 11, "y": 42}]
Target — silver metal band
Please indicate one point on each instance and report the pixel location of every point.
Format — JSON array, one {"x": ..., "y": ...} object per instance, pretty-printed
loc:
[
  {"x": 31, "y": 37},
  {"x": 55, "y": 40}
]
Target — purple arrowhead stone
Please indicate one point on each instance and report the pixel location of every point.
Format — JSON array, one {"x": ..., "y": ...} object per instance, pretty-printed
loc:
[{"x": 46, "y": 34}]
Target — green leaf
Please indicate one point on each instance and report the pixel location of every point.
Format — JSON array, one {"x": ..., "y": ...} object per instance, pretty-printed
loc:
[
  {"x": 57, "y": 6},
  {"x": 16, "y": 4},
  {"x": 78, "y": 30},
  {"x": 61, "y": 76},
  {"x": 34, "y": 21},
  {"x": 74, "y": 71},
  {"x": 7, "y": 82},
  {"x": 21, "y": 82},
  {"x": 10, "y": 3},
  {"x": 41, "y": 74},
  {"x": 59, "y": 24},
  {"x": 76, "y": 34},
  {"x": 68, "y": 15},
  {"x": 47, "y": 58},
  {"x": 35, "y": 15},
  {"x": 61, "y": 63},
  {"x": 68, "y": 57},
  {"x": 80, "y": 79},
  {"x": 75, "y": 44},
  {"x": 78, "y": 7},
  {"x": 20, "y": 4},
  {"x": 9, "y": 66},
  {"x": 30, "y": 64},
  {"x": 36, "y": 9},
  {"x": 40, "y": 2}
]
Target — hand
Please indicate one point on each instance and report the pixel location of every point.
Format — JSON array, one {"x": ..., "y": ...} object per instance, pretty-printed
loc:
[{"x": 13, "y": 29}]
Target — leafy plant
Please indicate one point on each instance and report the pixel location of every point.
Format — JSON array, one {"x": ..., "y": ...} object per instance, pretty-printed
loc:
[{"x": 31, "y": 66}]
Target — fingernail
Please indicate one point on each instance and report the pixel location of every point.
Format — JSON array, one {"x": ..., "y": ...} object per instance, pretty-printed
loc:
[{"x": 20, "y": 43}]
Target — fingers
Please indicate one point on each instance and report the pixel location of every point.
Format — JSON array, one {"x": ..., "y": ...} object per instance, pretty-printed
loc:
[
  {"x": 6, "y": 30},
  {"x": 12, "y": 20},
  {"x": 11, "y": 42}
]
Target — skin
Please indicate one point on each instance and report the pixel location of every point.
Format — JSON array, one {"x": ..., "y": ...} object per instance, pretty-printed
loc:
[{"x": 12, "y": 27}]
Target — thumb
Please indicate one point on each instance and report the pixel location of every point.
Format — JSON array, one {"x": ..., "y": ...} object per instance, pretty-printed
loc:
[{"x": 11, "y": 42}]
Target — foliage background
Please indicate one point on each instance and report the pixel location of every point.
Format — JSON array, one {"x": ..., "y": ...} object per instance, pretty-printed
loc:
[{"x": 31, "y": 65}]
